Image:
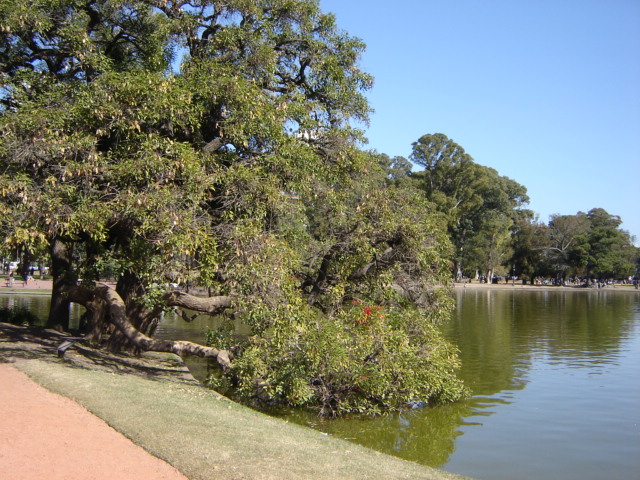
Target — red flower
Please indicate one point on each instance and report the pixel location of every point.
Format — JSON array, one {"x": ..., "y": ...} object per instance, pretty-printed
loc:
[{"x": 368, "y": 311}]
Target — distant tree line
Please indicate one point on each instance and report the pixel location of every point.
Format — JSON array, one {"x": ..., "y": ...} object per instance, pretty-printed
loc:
[
  {"x": 586, "y": 246},
  {"x": 491, "y": 231}
]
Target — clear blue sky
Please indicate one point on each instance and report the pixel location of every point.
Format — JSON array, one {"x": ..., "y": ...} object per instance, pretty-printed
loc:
[{"x": 547, "y": 92}]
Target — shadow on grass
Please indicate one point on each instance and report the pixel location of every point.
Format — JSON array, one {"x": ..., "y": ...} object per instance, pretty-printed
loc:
[{"x": 30, "y": 342}]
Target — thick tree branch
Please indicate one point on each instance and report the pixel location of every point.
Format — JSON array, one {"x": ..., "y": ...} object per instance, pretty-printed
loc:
[
  {"x": 118, "y": 317},
  {"x": 210, "y": 305},
  {"x": 383, "y": 260}
]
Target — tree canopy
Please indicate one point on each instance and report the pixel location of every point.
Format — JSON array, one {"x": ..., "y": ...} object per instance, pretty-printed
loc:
[
  {"x": 481, "y": 206},
  {"x": 212, "y": 144}
]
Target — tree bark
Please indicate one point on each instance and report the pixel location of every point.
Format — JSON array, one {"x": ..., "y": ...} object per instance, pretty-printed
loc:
[
  {"x": 93, "y": 322},
  {"x": 213, "y": 145},
  {"x": 384, "y": 259},
  {"x": 142, "y": 318},
  {"x": 210, "y": 305},
  {"x": 62, "y": 277}
]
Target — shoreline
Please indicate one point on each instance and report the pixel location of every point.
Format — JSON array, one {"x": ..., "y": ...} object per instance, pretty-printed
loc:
[
  {"x": 43, "y": 287},
  {"x": 542, "y": 288},
  {"x": 34, "y": 287}
]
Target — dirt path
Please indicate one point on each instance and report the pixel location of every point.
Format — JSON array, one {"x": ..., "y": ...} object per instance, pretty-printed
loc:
[{"x": 46, "y": 436}]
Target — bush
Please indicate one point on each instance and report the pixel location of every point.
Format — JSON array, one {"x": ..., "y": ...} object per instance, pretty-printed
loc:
[{"x": 364, "y": 359}]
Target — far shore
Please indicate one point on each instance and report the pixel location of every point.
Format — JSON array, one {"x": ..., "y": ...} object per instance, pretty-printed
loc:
[
  {"x": 34, "y": 287},
  {"x": 519, "y": 286},
  {"x": 43, "y": 287}
]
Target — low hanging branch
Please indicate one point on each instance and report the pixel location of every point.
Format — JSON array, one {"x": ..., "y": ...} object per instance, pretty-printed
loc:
[
  {"x": 210, "y": 305},
  {"x": 117, "y": 316}
]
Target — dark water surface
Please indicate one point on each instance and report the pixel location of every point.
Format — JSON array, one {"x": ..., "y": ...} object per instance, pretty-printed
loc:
[{"x": 555, "y": 377}]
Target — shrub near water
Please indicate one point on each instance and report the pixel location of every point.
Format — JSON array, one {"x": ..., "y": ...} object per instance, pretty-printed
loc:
[{"x": 365, "y": 358}]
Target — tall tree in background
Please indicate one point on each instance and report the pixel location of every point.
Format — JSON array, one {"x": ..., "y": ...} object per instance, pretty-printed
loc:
[
  {"x": 449, "y": 180},
  {"x": 480, "y": 205},
  {"x": 611, "y": 253},
  {"x": 211, "y": 143},
  {"x": 568, "y": 244},
  {"x": 494, "y": 222},
  {"x": 397, "y": 169},
  {"x": 530, "y": 244}
]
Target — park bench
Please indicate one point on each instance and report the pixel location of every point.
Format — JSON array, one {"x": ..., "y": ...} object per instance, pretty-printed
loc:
[{"x": 64, "y": 346}]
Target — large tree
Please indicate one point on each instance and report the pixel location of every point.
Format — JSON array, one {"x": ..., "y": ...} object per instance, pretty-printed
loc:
[
  {"x": 568, "y": 244},
  {"x": 530, "y": 246},
  {"x": 611, "y": 254},
  {"x": 587, "y": 245},
  {"x": 210, "y": 143},
  {"x": 479, "y": 204}
]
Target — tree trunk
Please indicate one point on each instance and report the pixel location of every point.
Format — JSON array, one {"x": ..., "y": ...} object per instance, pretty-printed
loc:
[
  {"x": 142, "y": 318},
  {"x": 25, "y": 263},
  {"x": 489, "y": 278},
  {"x": 41, "y": 266},
  {"x": 117, "y": 315},
  {"x": 93, "y": 322},
  {"x": 62, "y": 277},
  {"x": 458, "y": 267}
]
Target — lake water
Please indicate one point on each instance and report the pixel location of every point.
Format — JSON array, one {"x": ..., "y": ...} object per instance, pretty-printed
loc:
[
  {"x": 555, "y": 377},
  {"x": 556, "y": 383}
]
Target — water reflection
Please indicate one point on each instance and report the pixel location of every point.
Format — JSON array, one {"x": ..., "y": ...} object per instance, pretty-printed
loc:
[
  {"x": 544, "y": 367},
  {"x": 425, "y": 436},
  {"x": 500, "y": 334},
  {"x": 38, "y": 305}
]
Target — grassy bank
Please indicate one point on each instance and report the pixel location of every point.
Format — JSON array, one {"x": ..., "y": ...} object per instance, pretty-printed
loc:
[{"x": 203, "y": 434}]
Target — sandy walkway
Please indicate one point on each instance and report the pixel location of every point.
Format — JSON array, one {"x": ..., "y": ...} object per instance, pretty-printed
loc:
[{"x": 46, "y": 436}]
